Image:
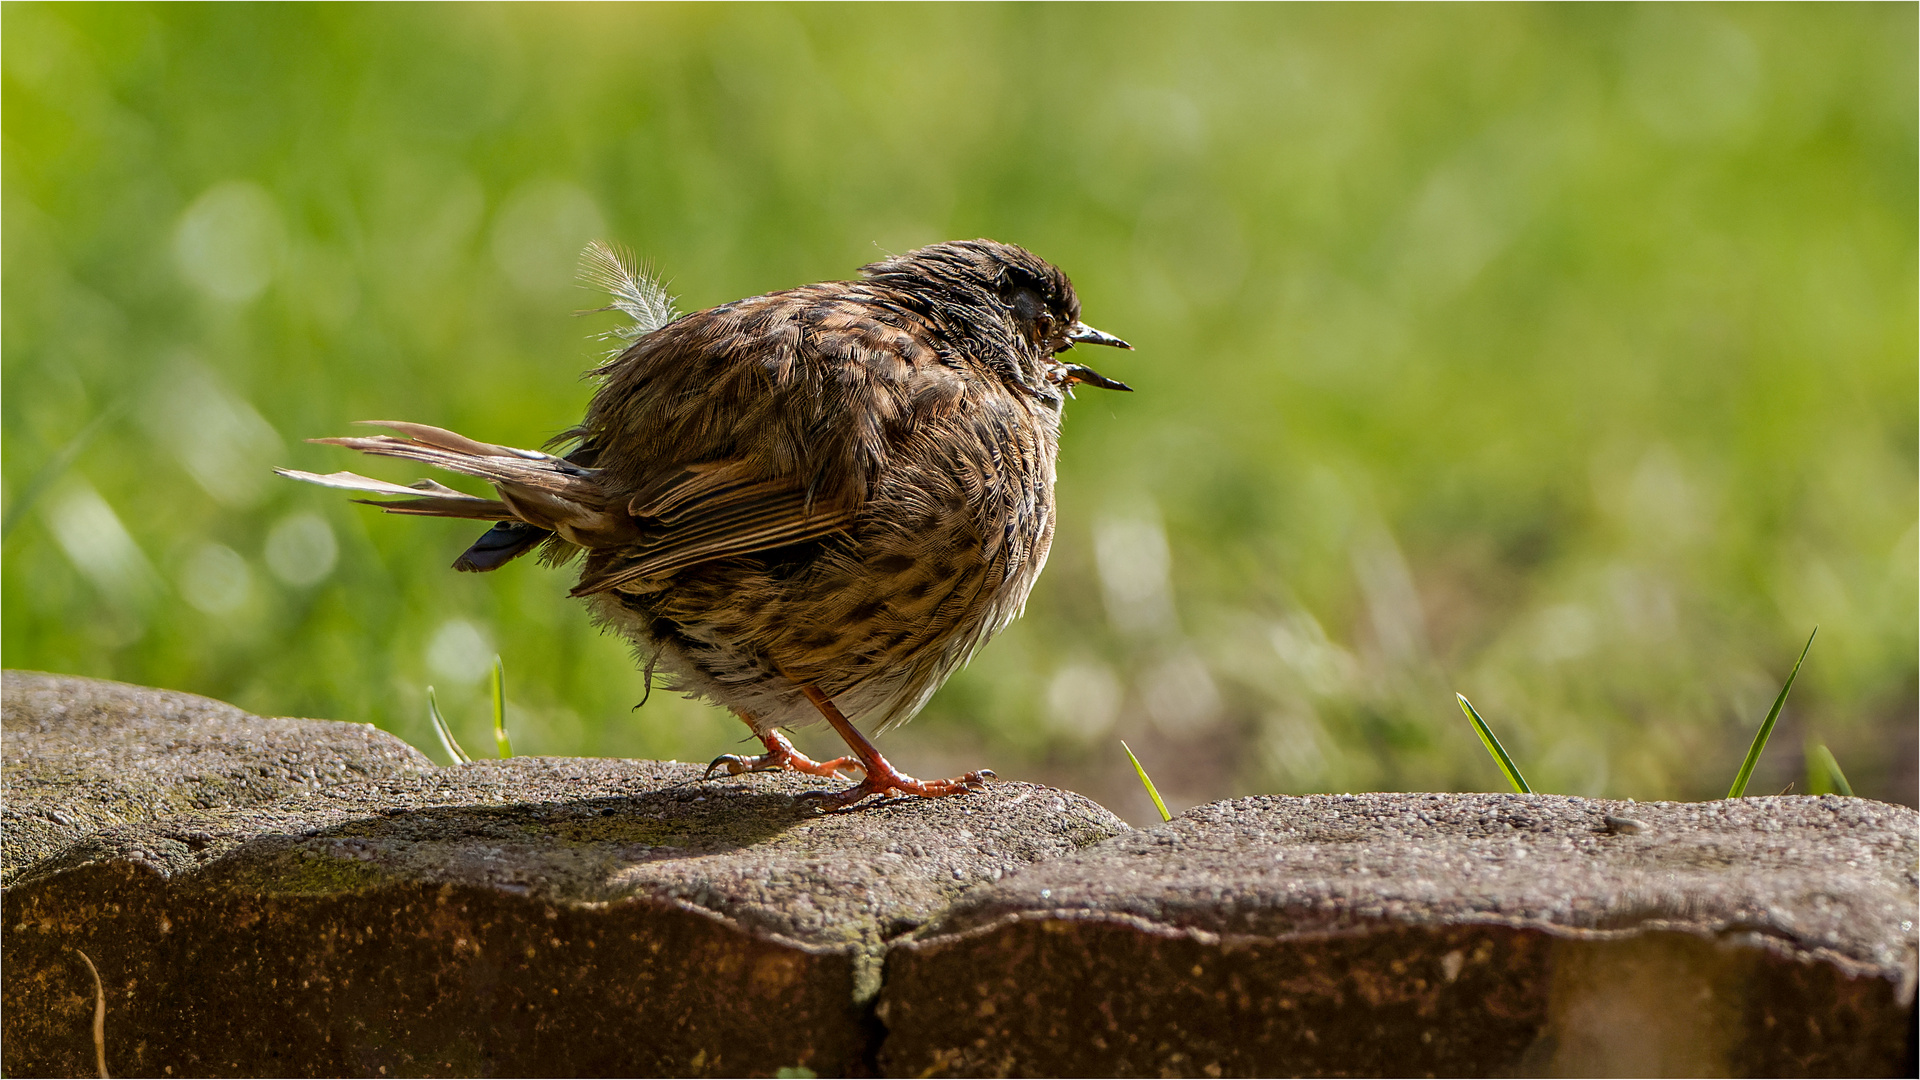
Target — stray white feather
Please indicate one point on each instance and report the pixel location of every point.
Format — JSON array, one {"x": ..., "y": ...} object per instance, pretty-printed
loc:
[{"x": 638, "y": 293}]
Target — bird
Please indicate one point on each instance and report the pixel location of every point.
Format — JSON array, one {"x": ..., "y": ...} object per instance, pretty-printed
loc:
[{"x": 810, "y": 505}]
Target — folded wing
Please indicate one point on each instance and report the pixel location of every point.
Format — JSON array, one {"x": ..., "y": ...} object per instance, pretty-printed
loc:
[{"x": 713, "y": 510}]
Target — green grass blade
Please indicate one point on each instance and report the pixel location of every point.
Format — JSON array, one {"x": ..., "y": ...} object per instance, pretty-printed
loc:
[
  {"x": 1488, "y": 740},
  {"x": 440, "y": 728},
  {"x": 1739, "y": 787},
  {"x": 500, "y": 740},
  {"x": 1147, "y": 782},
  {"x": 1823, "y": 772},
  {"x": 56, "y": 466}
]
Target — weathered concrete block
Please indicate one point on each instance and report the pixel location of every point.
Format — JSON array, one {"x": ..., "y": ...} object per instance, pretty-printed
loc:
[
  {"x": 532, "y": 917},
  {"x": 301, "y": 897},
  {"x": 82, "y": 754},
  {"x": 1434, "y": 934}
]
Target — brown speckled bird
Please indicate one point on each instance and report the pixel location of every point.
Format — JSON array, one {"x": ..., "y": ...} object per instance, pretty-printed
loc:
[{"x": 811, "y": 504}]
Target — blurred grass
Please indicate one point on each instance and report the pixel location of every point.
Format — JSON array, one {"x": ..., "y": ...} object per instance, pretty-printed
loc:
[{"x": 1563, "y": 356}]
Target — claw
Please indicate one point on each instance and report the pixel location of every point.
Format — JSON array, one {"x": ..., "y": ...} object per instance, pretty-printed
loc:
[
  {"x": 781, "y": 755},
  {"x": 884, "y": 780}
]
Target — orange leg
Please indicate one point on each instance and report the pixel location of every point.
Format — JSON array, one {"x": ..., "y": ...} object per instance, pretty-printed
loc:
[
  {"x": 781, "y": 755},
  {"x": 881, "y": 779}
]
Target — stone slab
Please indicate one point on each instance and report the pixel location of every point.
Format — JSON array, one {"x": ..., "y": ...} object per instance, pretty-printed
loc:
[
  {"x": 299, "y": 897},
  {"x": 1434, "y": 934},
  {"x": 539, "y": 916},
  {"x": 80, "y": 754}
]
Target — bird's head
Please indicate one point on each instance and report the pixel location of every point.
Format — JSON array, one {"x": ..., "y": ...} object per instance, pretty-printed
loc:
[{"x": 1013, "y": 310}]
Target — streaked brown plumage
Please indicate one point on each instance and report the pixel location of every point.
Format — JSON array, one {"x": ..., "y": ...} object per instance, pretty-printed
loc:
[{"x": 817, "y": 502}]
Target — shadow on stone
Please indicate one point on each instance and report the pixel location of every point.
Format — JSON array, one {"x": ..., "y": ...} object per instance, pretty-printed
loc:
[
  {"x": 539, "y": 916},
  {"x": 298, "y": 897}
]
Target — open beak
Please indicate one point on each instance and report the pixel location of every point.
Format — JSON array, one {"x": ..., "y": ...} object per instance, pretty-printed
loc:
[
  {"x": 1087, "y": 335},
  {"x": 1069, "y": 374}
]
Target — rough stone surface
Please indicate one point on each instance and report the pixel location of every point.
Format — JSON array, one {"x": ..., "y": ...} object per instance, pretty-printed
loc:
[
  {"x": 303, "y": 897},
  {"x": 533, "y": 917},
  {"x": 84, "y": 754},
  {"x": 1445, "y": 934}
]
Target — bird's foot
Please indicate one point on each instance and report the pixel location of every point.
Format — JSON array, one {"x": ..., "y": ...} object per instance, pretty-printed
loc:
[
  {"x": 781, "y": 755},
  {"x": 883, "y": 779}
]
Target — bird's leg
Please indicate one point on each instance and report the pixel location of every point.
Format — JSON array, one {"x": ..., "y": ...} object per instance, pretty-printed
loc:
[
  {"x": 882, "y": 778},
  {"x": 781, "y": 755}
]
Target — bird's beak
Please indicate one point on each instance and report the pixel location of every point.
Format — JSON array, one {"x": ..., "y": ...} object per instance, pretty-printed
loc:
[
  {"x": 1069, "y": 374},
  {"x": 1087, "y": 335},
  {"x": 1081, "y": 373}
]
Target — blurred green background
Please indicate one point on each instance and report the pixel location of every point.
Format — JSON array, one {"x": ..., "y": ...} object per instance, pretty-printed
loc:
[{"x": 1562, "y": 356}]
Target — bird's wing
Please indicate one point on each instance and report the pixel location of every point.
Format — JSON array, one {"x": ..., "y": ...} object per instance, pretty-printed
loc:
[
  {"x": 789, "y": 403},
  {"x": 711, "y": 511},
  {"x": 818, "y": 383}
]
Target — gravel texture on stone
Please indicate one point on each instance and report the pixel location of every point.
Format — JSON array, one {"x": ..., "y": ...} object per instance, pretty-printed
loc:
[
  {"x": 233, "y": 876},
  {"x": 1808, "y": 875},
  {"x": 82, "y": 754},
  {"x": 307, "y": 897},
  {"x": 597, "y": 830},
  {"x": 1414, "y": 934}
]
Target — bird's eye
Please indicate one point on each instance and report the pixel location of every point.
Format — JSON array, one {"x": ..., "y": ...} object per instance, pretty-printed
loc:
[{"x": 1044, "y": 324}]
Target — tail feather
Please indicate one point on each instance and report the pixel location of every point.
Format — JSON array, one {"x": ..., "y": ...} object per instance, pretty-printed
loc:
[
  {"x": 442, "y": 439},
  {"x": 421, "y": 496},
  {"x": 548, "y": 493},
  {"x": 499, "y": 546},
  {"x": 494, "y": 464},
  {"x": 478, "y": 510}
]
